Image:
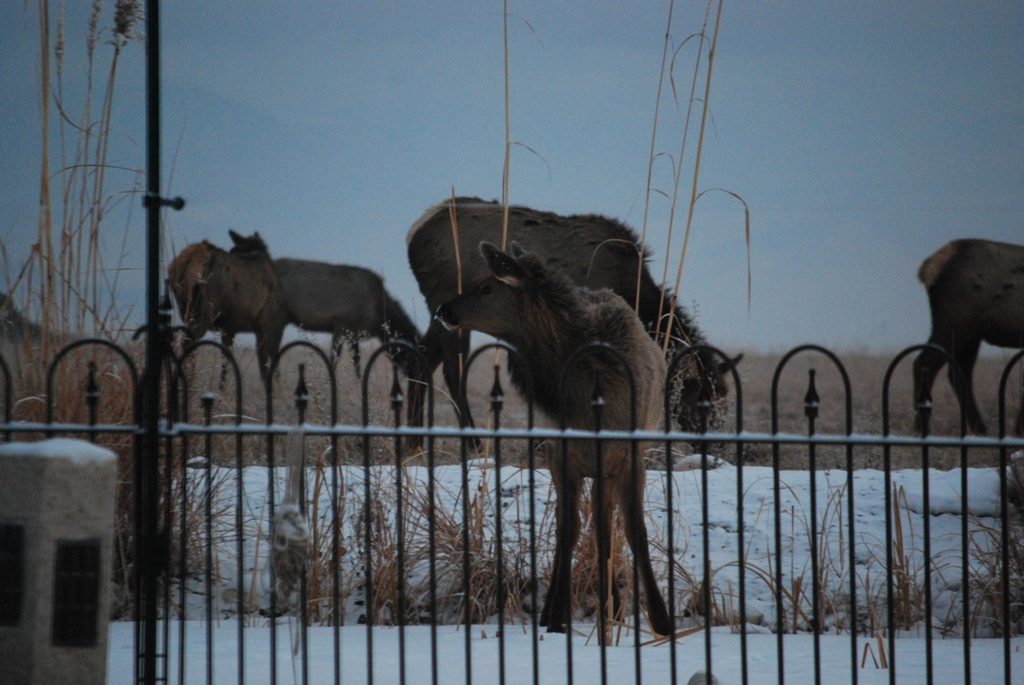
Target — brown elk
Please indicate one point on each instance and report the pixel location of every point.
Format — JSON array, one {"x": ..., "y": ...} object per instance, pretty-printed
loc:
[
  {"x": 230, "y": 292},
  {"x": 546, "y": 317},
  {"x": 244, "y": 290},
  {"x": 976, "y": 293},
  {"x": 591, "y": 250}
]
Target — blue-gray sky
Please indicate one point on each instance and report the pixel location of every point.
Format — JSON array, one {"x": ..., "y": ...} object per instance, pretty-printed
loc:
[{"x": 862, "y": 136}]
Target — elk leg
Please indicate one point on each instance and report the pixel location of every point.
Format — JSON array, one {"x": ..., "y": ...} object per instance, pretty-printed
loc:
[
  {"x": 963, "y": 383},
  {"x": 926, "y": 366},
  {"x": 227, "y": 340},
  {"x": 267, "y": 345},
  {"x": 631, "y": 499},
  {"x": 353, "y": 342},
  {"x": 557, "y": 601}
]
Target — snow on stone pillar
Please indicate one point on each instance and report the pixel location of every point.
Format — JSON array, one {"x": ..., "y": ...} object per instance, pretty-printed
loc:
[{"x": 56, "y": 551}]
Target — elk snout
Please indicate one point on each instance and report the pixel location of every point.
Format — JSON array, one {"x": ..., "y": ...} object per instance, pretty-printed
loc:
[{"x": 447, "y": 317}]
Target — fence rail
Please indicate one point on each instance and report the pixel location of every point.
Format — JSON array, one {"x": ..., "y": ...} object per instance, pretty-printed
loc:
[{"x": 313, "y": 548}]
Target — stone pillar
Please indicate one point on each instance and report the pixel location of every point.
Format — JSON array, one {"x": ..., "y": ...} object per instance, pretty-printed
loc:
[{"x": 56, "y": 552}]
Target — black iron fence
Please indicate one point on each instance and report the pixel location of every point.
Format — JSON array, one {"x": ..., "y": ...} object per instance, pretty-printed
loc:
[{"x": 302, "y": 532}]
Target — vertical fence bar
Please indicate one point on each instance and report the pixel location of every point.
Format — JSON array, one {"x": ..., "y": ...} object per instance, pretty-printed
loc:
[
  {"x": 239, "y": 529},
  {"x": 670, "y": 511},
  {"x": 926, "y": 515},
  {"x": 852, "y": 542},
  {"x": 497, "y": 401},
  {"x": 368, "y": 598},
  {"x": 336, "y": 606},
  {"x": 182, "y": 557},
  {"x": 566, "y": 502},
  {"x": 1004, "y": 516},
  {"x": 466, "y": 589},
  {"x": 301, "y": 403},
  {"x": 431, "y": 510},
  {"x": 147, "y": 457},
  {"x": 964, "y": 558},
  {"x": 207, "y": 401},
  {"x": 777, "y": 508},
  {"x": 602, "y": 531},
  {"x": 268, "y": 386},
  {"x": 168, "y": 494},
  {"x": 92, "y": 398},
  {"x": 670, "y": 534},
  {"x": 740, "y": 526},
  {"x": 703, "y": 414},
  {"x": 811, "y": 404},
  {"x": 396, "y": 406},
  {"x": 890, "y": 608}
]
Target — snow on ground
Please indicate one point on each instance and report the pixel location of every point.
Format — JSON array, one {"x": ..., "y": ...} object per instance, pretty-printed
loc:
[
  {"x": 986, "y": 658},
  {"x": 756, "y": 557}
]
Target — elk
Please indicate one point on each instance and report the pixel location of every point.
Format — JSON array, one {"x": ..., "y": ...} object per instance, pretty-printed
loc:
[
  {"x": 976, "y": 293},
  {"x": 244, "y": 290},
  {"x": 230, "y": 292},
  {"x": 546, "y": 317},
  {"x": 348, "y": 302},
  {"x": 591, "y": 250}
]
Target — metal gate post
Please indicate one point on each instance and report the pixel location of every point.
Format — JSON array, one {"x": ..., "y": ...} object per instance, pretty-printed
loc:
[{"x": 148, "y": 543}]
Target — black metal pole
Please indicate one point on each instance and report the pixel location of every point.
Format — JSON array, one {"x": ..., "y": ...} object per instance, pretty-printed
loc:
[
  {"x": 147, "y": 461},
  {"x": 151, "y": 385},
  {"x": 151, "y": 382}
]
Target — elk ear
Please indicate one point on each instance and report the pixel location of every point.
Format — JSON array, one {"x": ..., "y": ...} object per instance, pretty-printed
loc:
[
  {"x": 504, "y": 266},
  {"x": 516, "y": 250},
  {"x": 235, "y": 238}
]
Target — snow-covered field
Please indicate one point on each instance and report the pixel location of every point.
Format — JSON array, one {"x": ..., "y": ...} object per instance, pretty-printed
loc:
[
  {"x": 986, "y": 655},
  {"x": 756, "y": 558}
]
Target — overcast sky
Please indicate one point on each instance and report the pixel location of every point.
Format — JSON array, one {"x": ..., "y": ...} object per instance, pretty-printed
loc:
[{"x": 862, "y": 135}]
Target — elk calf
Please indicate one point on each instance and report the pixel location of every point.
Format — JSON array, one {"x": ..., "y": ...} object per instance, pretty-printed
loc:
[
  {"x": 547, "y": 318},
  {"x": 591, "y": 250},
  {"x": 976, "y": 293}
]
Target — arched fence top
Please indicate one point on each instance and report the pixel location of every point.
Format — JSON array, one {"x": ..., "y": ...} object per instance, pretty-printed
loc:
[
  {"x": 701, "y": 354},
  {"x": 514, "y": 356},
  {"x": 593, "y": 348},
  {"x": 890, "y": 370},
  {"x": 812, "y": 393},
  {"x": 181, "y": 387},
  {"x": 179, "y": 382},
  {"x": 275, "y": 364},
  {"x": 102, "y": 343},
  {"x": 397, "y": 348}
]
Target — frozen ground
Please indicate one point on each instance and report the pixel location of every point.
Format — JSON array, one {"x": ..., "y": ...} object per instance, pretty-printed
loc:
[
  {"x": 986, "y": 658},
  {"x": 945, "y": 505}
]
